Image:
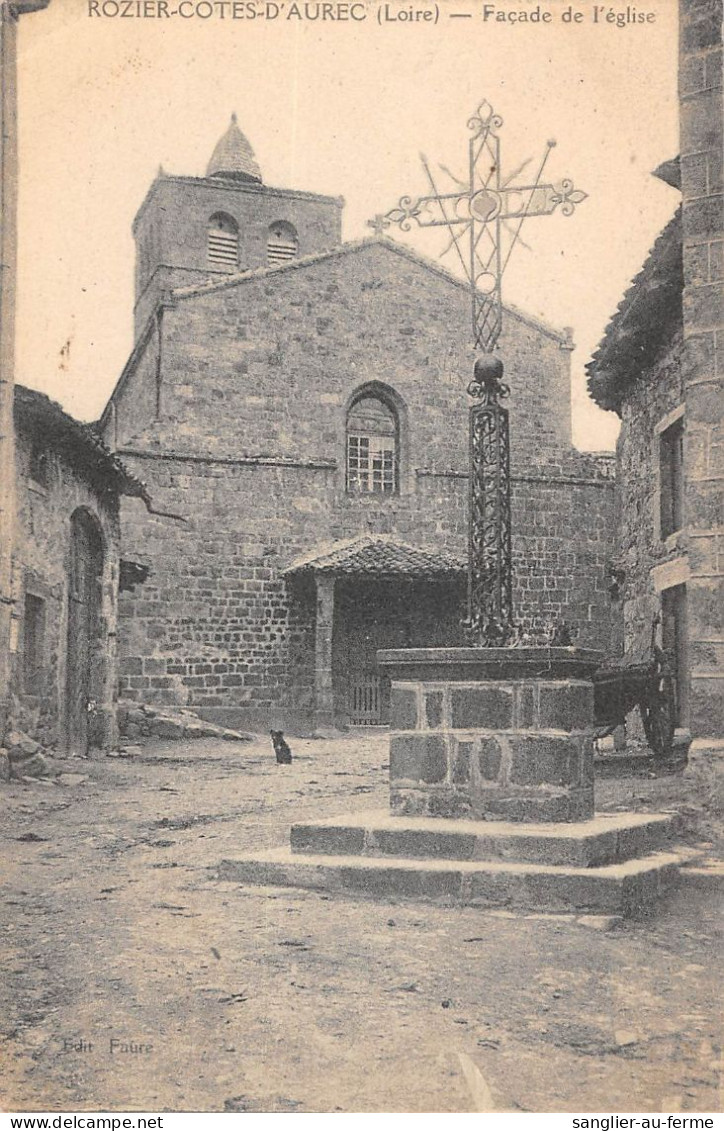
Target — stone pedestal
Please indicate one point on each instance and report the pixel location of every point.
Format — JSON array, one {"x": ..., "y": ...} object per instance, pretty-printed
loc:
[
  {"x": 492, "y": 734},
  {"x": 491, "y": 797}
]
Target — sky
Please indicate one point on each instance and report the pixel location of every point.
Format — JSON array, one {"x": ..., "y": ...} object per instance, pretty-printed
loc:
[{"x": 338, "y": 107}]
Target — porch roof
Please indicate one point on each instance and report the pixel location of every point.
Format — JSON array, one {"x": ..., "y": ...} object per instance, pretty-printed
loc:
[{"x": 377, "y": 555}]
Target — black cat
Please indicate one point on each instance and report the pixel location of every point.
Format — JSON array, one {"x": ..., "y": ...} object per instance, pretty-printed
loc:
[{"x": 281, "y": 748}]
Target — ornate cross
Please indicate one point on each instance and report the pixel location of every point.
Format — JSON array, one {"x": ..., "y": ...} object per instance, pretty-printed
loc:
[{"x": 484, "y": 216}]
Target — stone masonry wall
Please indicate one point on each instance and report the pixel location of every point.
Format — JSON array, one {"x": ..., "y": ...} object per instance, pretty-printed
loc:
[
  {"x": 244, "y": 364},
  {"x": 640, "y": 545},
  {"x": 40, "y": 568},
  {"x": 702, "y": 185},
  {"x": 215, "y": 625},
  {"x": 170, "y": 230},
  {"x": 132, "y": 413},
  {"x": 562, "y": 549},
  {"x": 250, "y": 446},
  {"x": 514, "y": 746}
]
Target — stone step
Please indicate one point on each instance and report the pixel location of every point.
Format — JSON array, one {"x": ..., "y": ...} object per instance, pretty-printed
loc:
[
  {"x": 623, "y": 765},
  {"x": 626, "y": 889},
  {"x": 704, "y": 874},
  {"x": 608, "y": 838}
]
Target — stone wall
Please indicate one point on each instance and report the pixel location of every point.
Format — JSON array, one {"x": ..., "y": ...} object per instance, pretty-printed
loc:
[
  {"x": 138, "y": 407},
  {"x": 702, "y": 184},
  {"x": 497, "y": 734},
  {"x": 170, "y": 230},
  {"x": 563, "y": 549},
  {"x": 40, "y": 568},
  {"x": 249, "y": 446},
  {"x": 640, "y": 546},
  {"x": 216, "y": 626},
  {"x": 267, "y": 365}
]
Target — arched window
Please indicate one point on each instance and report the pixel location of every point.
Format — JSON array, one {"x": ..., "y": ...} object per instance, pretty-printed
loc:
[
  {"x": 282, "y": 243},
  {"x": 372, "y": 447},
  {"x": 222, "y": 241}
]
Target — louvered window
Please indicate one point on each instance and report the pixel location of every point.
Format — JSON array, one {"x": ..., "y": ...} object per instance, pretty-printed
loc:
[
  {"x": 223, "y": 242},
  {"x": 282, "y": 243}
]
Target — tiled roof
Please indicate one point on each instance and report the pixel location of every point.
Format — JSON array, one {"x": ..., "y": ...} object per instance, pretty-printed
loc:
[
  {"x": 378, "y": 555},
  {"x": 78, "y": 443},
  {"x": 648, "y": 316},
  {"x": 233, "y": 157}
]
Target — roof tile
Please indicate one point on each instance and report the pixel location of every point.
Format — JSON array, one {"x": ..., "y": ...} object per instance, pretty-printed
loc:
[{"x": 378, "y": 555}]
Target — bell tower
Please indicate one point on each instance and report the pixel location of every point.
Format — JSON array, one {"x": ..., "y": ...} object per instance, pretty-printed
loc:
[{"x": 193, "y": 230}]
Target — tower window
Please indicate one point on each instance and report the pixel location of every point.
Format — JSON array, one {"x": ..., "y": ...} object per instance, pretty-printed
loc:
[
  {"x": 282, "y": 243},
  {"x": 372, "y": 448},
  {"x": 671, "y": 454},
  {"x": 222, "y": 241}
]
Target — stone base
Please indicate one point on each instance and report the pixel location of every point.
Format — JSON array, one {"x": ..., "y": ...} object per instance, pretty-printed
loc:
[
  {"x": 502, "y": 738},
  {"x": 615, "y": 864},
  {"x": 492, "y": 733},
  {"x": 609, "y": 838}
]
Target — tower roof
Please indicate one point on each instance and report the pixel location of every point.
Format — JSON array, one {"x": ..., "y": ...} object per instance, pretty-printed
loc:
[{"x": 233, "y": 157}]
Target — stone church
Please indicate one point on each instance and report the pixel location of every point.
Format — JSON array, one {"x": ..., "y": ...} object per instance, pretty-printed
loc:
[{"x": 301, "y": 402}]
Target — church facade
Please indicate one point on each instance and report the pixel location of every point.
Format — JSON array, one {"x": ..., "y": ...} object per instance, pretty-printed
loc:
[{"x": 301, "y": 402}]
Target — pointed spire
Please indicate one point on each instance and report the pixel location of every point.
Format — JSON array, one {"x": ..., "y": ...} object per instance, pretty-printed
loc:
[{"x": 233, "y": 158}]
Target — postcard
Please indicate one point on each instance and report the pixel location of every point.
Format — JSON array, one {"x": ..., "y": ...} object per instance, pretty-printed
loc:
[{"x": 359, "y": 701}]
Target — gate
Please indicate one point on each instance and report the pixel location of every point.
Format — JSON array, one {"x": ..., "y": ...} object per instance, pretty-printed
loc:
[{"x": 365, "y": 699}]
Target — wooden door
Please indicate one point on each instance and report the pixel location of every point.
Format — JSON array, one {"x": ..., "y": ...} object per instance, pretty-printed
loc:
[
  {"x": 674, "y": 640},
  {"x": 84, "y": 620}
]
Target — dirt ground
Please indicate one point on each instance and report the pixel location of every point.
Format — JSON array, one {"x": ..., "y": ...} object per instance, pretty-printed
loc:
[{"x": 224, "y": 998}]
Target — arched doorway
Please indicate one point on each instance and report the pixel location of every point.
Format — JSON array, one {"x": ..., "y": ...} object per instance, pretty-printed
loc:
[{"x": 84, "y": 659}]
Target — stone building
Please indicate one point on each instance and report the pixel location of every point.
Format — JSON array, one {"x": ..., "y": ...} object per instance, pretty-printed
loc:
[
  {"x": 301, "y": 401},
  {"x": 65, "y": 571},
  {"x": 9, "y": 18},
  {"x": 659, "y": 368}
]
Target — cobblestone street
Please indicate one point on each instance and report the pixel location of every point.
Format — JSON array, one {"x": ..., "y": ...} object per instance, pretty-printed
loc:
[{"x": 218, "y": 997}]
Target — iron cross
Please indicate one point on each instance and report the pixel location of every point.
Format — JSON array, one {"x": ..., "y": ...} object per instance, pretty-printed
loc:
[{"x": 484, "y": 217}]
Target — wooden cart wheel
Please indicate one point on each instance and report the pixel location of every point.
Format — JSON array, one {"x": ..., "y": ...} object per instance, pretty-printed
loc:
[{"x": 658, "y": 712}]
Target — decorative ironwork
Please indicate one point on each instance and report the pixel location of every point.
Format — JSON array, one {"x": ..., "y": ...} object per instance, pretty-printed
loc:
[
  {"x": 484, "y": 216},
  {"x": 490, "y": 587},
  {"x": 567, "y": 197}
]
